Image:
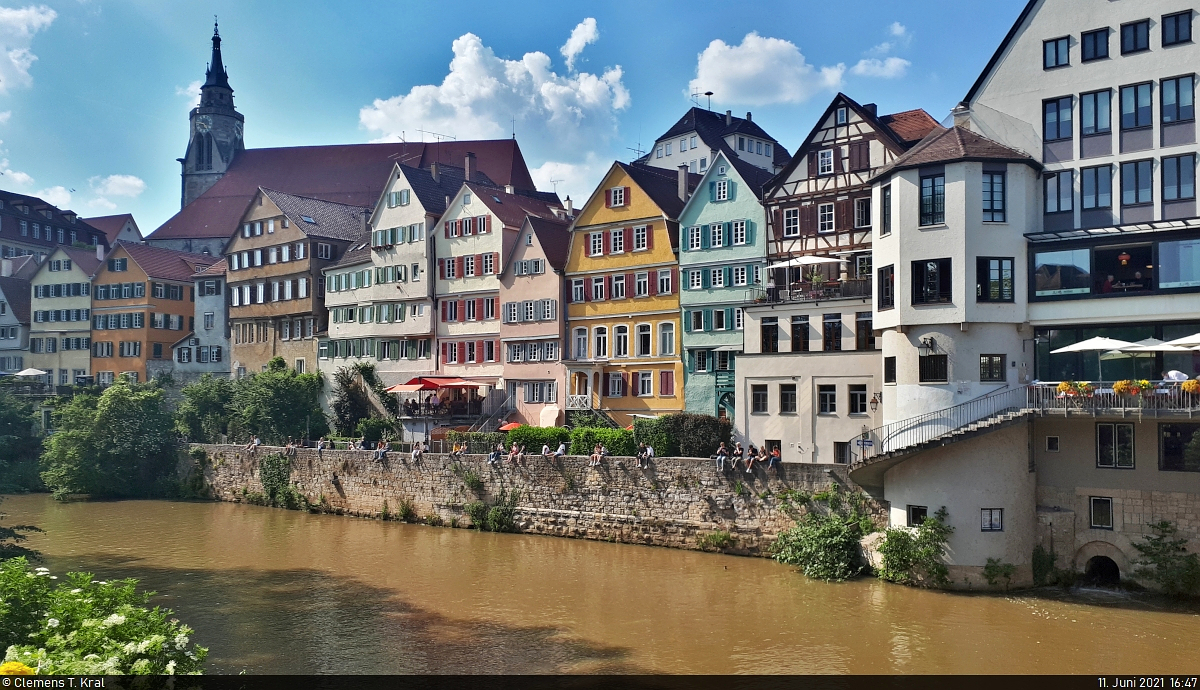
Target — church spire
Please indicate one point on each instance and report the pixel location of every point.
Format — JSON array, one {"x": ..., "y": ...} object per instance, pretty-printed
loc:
[{"x": 216, "y": 74}]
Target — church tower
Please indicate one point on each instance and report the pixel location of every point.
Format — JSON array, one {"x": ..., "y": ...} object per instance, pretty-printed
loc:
[{"x": 215, "y": 136}]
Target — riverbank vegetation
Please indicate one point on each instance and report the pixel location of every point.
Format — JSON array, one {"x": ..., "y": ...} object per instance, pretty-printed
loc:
[
  {"x": 917, "y": 555},
  {"x": 1165, "y": 561},
  {"x": 81, "y": 626},
  {"x": 274, "y": 405},
  {"x": 825, "y": 541}
]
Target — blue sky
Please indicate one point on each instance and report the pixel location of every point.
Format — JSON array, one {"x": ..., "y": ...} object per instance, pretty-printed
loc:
[{"x": 94, "y": 94}]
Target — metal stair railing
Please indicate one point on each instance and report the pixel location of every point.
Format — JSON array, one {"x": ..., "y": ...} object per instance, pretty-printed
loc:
[
  {"x": 502, "y": 408},
  {"x": 915, "y": 431}
]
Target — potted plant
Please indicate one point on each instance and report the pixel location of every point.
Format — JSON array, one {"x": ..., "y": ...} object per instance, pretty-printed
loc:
[
  {"x": 1125, "y": 387},
  {"x": 1085, "y": 389}
]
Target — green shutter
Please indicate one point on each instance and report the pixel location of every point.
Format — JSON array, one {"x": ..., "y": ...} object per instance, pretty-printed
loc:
[
  {"x": 691, "y": 361},
  {"x": 687, "y": 321},
  {"x": 400, "y": 309},
  {"x": 712, "y": 191},
  {"x": 704, "y": 236},
  {"x": 732, "y": 190},
  {"x": 705, "y": 281},
  {"x": 749, "y": 232},
  {"x": 728, "y": 276},
  {"x": 727, "y": 229},
  {"x": 729, "y": 318},
  {"x": 708, "y": 319}
]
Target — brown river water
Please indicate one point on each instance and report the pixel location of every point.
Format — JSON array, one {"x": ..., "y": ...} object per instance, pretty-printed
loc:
[{"x": 274, "y": 591}]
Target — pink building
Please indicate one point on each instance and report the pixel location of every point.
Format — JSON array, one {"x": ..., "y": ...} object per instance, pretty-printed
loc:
[{"x": 531, "y": 326}]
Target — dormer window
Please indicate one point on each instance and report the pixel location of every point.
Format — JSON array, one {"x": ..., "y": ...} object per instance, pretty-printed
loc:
[
  {"x": 721, "y": 170},
  {"x": 842, "y": 116},
  {"x": 466, "y": 199}
]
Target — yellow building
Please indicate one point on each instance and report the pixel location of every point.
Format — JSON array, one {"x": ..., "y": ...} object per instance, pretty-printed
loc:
[{"x": 622, "y": 282}]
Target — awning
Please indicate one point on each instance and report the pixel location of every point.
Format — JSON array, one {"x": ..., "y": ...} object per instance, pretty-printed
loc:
[
  {"x": 429, "y": 383},
  {"x": 405, "y": 388}
]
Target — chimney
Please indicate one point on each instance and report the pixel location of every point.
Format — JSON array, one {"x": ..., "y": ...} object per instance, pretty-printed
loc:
[
  {"x": 872, "y": 109},
  {"x": 469, "y": 168},
  {"x": 99, "y": 252},
  {"x": 683, "y": 183},
  {"x": 570, "y": 206},
  {"x": 509, "y": 189},
  {"x": 363, "y": 225},
  {"x": 447, "y": 201},
  {"x": 962, "y": 115},
  {"x": 748, "y": 118},
  {"x": 433, "y": 172},
  {"x": 728, "y": 118}
]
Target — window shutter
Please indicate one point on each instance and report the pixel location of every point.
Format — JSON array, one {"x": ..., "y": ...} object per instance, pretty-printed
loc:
[
  {"x": 479, "y": 308},
  {"x": 727, "y": 234},
  {"x": 458, "y": 267},
  {"x": 630, "y": 284},
  {"x": 708, "y": 319},
  {"x": 608, "y": 198},
  {"x": 626, "y": 195},
  {"x": 728, "y": 276},
  {"x": 607, "y": 236},
  {"x": 605, "y": 380},
  {"x": 626, "y": 389},
  {"x": 607, "y": 287},
  {"x": 446, "y": 231},
  {"x": 704, "y": 237},
  {"x": 487, "y": 223},
  {"x": 649, "y": 236},
  {"x": 749, "y": 232},
  {"x": 478, "y": 350},
  {"x": 705, "y": 280},
  {"x": 729, "y": 319},
  {"x": 441, "y": 269},
  {"x": 808, "y": 219},
  {"x": 674, "y": 281},
  {"x": 479, "y": 264},
  {"x": 687, "y": 326},
  {"x": 712, "y": 191},
  {"x": 732, "y": 190},
  {"x": 462, "y": 310},
  {"x": 587, "y": 290},
  {"x": 837, "y": 159},
  {"x": 842, "y": 214},
  {"x": 812, "y": 163},
  {"x": 496, "y": 263},
  {"x": 628, "y": 236},
  {"x": 444, "y": 312},
  {"x": 666, "y": 384},
  {"x": 652, "y": 282}
]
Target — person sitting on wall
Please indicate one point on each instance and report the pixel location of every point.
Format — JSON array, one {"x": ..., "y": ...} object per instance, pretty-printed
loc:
[
  {"x": 457, "y": 451},
  {"x": 496, "y": 454},
  {"x": 513, "y": 454},
  {"x": 750, "y": 457},
  {"x": 641, "y": 454},
  {"x": 721, "y": 455},
  {"x": 597, "y": 454},
  {"x": 736, "y": 453},
  {"x": 546, "y": 454},
  {"x": 321, "y": 444},
  {"x": 418, "y": 450},
  {"x": 562, "y": 450},
  {"x": 521, "y": 455},
  {"x": 774, "y": 459},
  {"x": 381, "y": 450}
]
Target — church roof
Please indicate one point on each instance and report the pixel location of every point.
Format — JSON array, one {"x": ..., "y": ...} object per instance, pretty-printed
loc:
[
  {"x": 319, "y": 218},
  {"x": 352, "y": 174},
  {"x": 216, "y": 75}
]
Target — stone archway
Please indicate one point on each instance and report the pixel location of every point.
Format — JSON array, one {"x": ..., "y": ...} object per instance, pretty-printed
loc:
[
  {"x": 1091, "y": 557},
  {"x": 725, "y": 406},
  {"x": 1102, "y": 570}
]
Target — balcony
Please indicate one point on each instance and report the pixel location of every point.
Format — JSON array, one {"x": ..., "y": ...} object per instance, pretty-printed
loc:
[
  {"x": 579, "y": 402},
  {"x": 726, "y": 380},
  {"x": 1160, "y": 398},
  {"x": 804, "y": 291}
]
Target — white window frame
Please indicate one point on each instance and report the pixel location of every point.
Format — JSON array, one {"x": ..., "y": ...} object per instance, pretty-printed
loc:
[
  {"x": 666, "y": 339},
  {"x": 617, "y": 194},
  {"x": 791, "y": 222},
  {"x": 739, "y": 275},
  {"x": 616, "y": 241},
  {"x": 716, "y": 235},
  {"x": 717, "y": 277},
  {"x": 664, "y": 278},
  {"x": 862, "y": 212},
  {"x": 640, "y": 240},
  {"x": 695, "y": 238},
  {"x": 618, "y": 286},
  {"x": 695, "y": 280},
  {"x": 737, "y": 232},
  {"x": 641, "y": 284},
  {"x": 825, "y": 162},
  {"x": 645, "y": 384},
  {"x": 739, "y": 319},
  {"x": 596, "y": 244},
  {"x": 825, "y": 224},
  {"x": 722, "y": 191}
]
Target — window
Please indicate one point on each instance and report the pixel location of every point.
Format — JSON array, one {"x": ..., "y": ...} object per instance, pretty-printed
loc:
[
  {"x": 600, "y": 350},
  {"x": 695, "y": 238},
  {"x": 1114, "y": 445},
  {"x": 1097, "y": 187},
  {"x": 1178, "y": 99},
  {"x": 769, "y": 334},
  {"x": 825, "y": 162},
  {"x": 933, "y": 369},
  {"x": 621, "y": 341},
  {"x": 831, "y": 333},
  {"x": 1136, "y": 183},
  {"x": 993, "y": 197},
  {"x": 695, "y": 280},
  {"x": 1136, "y": 107},
  {"x": 1095, "y": 113},
  {"x": 858, "y": 399},
  {"x": 862, "y": 213},
  {"x": 1179, "y": 447},
  {"x": 645, "y": 380},
  {"x": 1057, "y": 120},
  {"x": 887, "y": 287},
  {"x": 864, "y": 338},
  {"x": 739, "y": 275},
  {"x": 717, "y": 277},
  {"x": 577, "y": 294},
  {"x": 889, "y": 369},
  {"x": 700, "y": 357},
  {"x": 791, "y": 222},
  {"x": 1056, "y": 53},
  {"x": 664, "y": 282},
  {"x": 842, "y": 116},
  {"x": 1051, "y": 444},
  {"x": 917, "y": 515},
  {"x": 1059, "y": 192},
  {"x": 1135, "y": 37},
  {"x": 596, "y": 244},
  {"x": 639, "y": 238},
  {"x": 716, "y": 235},
  {"x": 721, "y": 190},
  {"x": 739, "y": 318},
  {"x": 787, "y": 398},
  {"x": 666, "y": 339},
  {"x": 993, "y": 279},
  {"x": 758, "y": 398},
  {"x": 738, "y": 232},
  {"x": 643, "y": 340},
  {"x": 617, "y": 239},
  {"x": 1101, "y": 512},
  {"x": 618, "y": 286},
  {"x": 1094, "y": 45},
  {"x": 825, "y": 218},
  {"x": 641, "y": 284},
  {"x": 1179, "y": 177},
  {"x": 618, "y": 193},
  {"x": 658, "y": 151},
  {"x": 597, "y": 288},
  {"x": 827, "y": 398},
  {"x": 991, "y": 519},
  {"x": 800, "y": 333},
  {"x": 933, "y": 200},
  {"x": 931, "y": 281},
  {"x": 991, "y": 368},
  {"x": 1177, "y": 28},
  {"x": 885, "y": 211}
]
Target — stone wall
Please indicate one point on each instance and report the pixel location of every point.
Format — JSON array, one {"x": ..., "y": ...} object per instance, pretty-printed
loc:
[{"x": 670, "y": 504}]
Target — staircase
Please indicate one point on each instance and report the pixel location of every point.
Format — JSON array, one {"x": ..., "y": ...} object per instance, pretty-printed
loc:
[
  {"x": 501, "y": 404},
  {"x": 941, "y": 427}
]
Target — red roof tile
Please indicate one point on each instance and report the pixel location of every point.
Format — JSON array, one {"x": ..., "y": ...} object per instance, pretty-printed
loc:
[
  {"x": 511, "y": 209},
  {"x": 218, "y": 269},
  {"x": 110, "y": 225},
  {"x": 349, "y": 174},
  {"x": 85, "y": 259},
  {"x": 166, "y": 264},
  {"x": 911, "y": 125},
  {"x": 16, "y": 292},
  {"x": 956, "y": 144}
]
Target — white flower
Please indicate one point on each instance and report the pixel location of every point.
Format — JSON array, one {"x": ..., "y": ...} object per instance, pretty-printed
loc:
[
  {"x": 114, "y": 619},
  {"x": 171, "y": 667},
  {"x": 181, "y": 641},
  {"x": 53, "y": 577},
  {"x": 53, "y": 623},
  {"x": 42, "y": 570},
  {"x": 76, "y": 591}
]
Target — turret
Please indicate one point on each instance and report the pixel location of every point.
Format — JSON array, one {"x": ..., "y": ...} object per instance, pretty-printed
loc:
[{"x": 215, "y": 136}]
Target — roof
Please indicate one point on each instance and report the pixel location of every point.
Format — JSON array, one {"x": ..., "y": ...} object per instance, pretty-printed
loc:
[
  {"x": 910, "y": 126},
  {"x": 349, "y": 174},
  {"x": 218, "y": 269},
  {"x": 85, "y": 259},
  {"x": 110, "y": 225},
  {"x": 26, "y": 265},
  {"x": 356, "y": 254},
  {"x": 431, "y": 194},
  {"x": 1012, "y": 33},
  {"x": 710, "y": 127},
  {"x": 16, "y": 292},
  {"x": 317, "y": 218},
  {"x": 956, "y": 144},
  {"x": 755, "y": 177},
  {"x": 512, "y": 209},
  {"x": 554, "y": 237},
  {"x": 165, "y": 264},
  {"x": 662, "y": 186},
  {"x": 63, "y": 218}
]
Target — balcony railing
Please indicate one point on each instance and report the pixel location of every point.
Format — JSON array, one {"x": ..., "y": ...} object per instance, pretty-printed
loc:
[
  {"x": 1100, "y": 397},
  {"x": 812, "y": 292},
  {"x": 579, "y": 402}
]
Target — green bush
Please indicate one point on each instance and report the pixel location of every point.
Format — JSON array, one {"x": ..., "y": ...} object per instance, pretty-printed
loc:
[
  {"x": 477, "y": 512},
  {"x": 715, "y": 541},
  {"x": 534, "y": 437},
  {"x": 824, "y": 543},
  {"x": 1043, "y": 566},
  {"x": 618, "y": 441},
  {"x": 79, "y": 626},
  {"x": 478, "y": 442},
  {"x": 406, "y": 511},
  {"x": 21, "y": 445},
  {"x": 653, "y": 432},
  {"x": 997, "y": 570},
  {"x": 917, "y": 556},
  {"x": 683, "y": 435},
  {"x": 498, "y": 517},
  {"x": 374, "y": 429},
  {"x": 275, "y": 472},
  {"x": 1166, "y": 562}
]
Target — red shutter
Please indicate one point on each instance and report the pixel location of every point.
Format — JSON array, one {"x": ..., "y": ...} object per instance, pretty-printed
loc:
[
  {"x": 808, "y": 219},
  {"x": 462, "y": 353},
  {"x": 445, "y": 351},
  {"x": 496, "y": 263},
  {"x": 496, "y": 349},
  {"x": 837, "y": 159},
  {"x": 458, "y": 267},
  {"x": 487, "y": 223},
  {"x": 607, "y": 241},
  {"x": 674, "y": 281},
  {"x": 652, "y": 280},
  {"x": 649, "y": 236},
  {"x": 441, "y": 269},
  {"x": 626, "y": 197},
  {"x": 608, "y": 198},
  {"x": 604, "y": 379},
  {"x": 812, "y": 163},
  {"x": 628, "y": 232},
  {"x": 479, "y": 264},
  {"x": 446, "y": 229},
  {"x": 462, "y": 310},
  {"x": 666, "y": 384},
  {"x": 626, "y": 389},
  {"x": 842, "y": 215},
  {"x": 479, "y": 309},
  {"x": 608, "y": 287},
  {"x": 444, "y": 313},
  {"x": 776, "y": 223},
  {"x": 630, "y": 284},
  {"x": 478, "y": 350}
]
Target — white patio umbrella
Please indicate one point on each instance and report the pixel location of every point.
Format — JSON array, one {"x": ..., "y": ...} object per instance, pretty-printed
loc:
[
  {"x": 1148, "y": 347},
  {"x": 1188, "y": 341},
  {"x": 1098, "y": 344},
  {"x": 30, "y": 372},
  {"x": 810, "y": 260}
]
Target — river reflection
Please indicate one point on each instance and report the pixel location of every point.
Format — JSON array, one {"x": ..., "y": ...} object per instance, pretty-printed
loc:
[{"x": 272, "y": 591}]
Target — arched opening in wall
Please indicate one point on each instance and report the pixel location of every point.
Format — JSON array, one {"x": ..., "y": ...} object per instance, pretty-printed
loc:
[
  {"x": 725, "y": 406},
  {"x": 1102, "y": 571}
]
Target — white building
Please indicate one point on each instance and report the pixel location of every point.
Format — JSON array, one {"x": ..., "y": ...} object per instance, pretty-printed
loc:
[{"x": 695, "y": 139}]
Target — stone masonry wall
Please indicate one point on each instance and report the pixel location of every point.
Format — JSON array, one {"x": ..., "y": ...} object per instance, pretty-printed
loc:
[{"x": 670, "y": 504}]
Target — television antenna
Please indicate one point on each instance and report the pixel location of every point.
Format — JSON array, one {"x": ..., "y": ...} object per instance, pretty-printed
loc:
[
  {"x": 439, "y": 137},
  {"x": 638, "y": 149},
  {"x": 555, "y": 183}
]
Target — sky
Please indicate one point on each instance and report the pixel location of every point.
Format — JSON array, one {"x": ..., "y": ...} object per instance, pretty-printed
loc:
[{"x": 94, "y": 94}]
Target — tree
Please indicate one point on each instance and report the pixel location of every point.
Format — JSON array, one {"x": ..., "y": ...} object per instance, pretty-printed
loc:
[
  {"x": 116, "y": 444},
  {"x": 279, "y": 403},
  {"x": 205, "y": 412},
  {"x": 1165, "y": 561},
  {"x": 350, "y": 405},
  {"x": 21, "y": 446},
  {"x": 11, "y": 538}
]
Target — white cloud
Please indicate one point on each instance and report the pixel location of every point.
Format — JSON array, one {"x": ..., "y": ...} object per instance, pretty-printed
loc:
[
  {"x": 897, "y": 29},
  {"x": 576, "y": 180},
  {"x": 890, "y": 68},
  {"x": 14, "y": 177},
  {"x": 760, "y": 71},
  {"x": 17, "y": 28},
  {"x": 584, "y": 33},
  {"x": 557, "y": 116},
  {"x": 901, "y": 38},
  {"x": 191, "y": 91},
  {"x": 5, "y": 117},
  {"x": 57, "y": 195},
  {"x": 101, "y": 203},
  {"x": 117, "y": 185}
]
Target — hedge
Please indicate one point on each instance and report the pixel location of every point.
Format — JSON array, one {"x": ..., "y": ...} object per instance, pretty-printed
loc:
[
  {"x": 534, "y": 437},
  {"x": 617, "y": 441},
  {"x": 683, "y": 435},
  {"x": 478, "y": 441}
]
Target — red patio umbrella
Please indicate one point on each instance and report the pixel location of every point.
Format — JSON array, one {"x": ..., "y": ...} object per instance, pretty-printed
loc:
[{"x": 510, "y": 426}]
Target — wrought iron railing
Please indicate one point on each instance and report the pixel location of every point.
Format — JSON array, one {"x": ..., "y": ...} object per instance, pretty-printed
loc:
[
  {"x": 915, "y": 431},
  {"x": 502, "y": 404},
  {"x": 1097, "y": 396}
]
